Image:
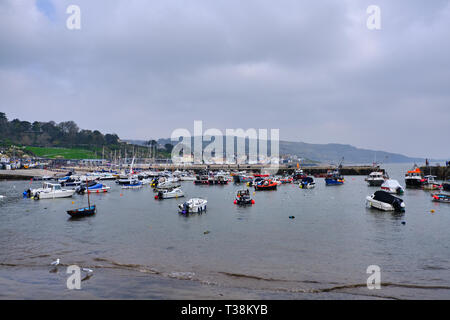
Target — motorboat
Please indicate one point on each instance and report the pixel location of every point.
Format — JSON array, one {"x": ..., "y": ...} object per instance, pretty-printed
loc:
[
  {"x": 383, "y": 200},
  {"x": 431, "y": 184},
  {"x": 50, "y": 191},
  {"x": 441, "y": 197},
  {"x": 243, "y": 198},
  {"x": 93, "y": 187},
  {"x": 334, "y": 177},
  {"x": 168, "y": 184},
  {"x": 133, "y": 184},
  {"x": 167, "y": 193},
  {"x": 266, "y": 184},
  {"x": 414, "y": 179},
  {"x": 392, "y": 186},
  {"x": 376, "y": 178},
  {"x": 307, "y": 183},
  {"x": 194, "y": 205}
]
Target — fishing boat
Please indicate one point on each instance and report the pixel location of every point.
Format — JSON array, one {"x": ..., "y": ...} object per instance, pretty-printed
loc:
[
  {"x": 243, "y": 198},
  {"x": 413, "y": 178},
  {"x": 50, "y": 191},
  {"x": 83, "y": 212},
  {"x": 376, "y": 178},
  {"x": 334, "y": 178},
  {"x": 298, "y": 176},
  {"x": 430, "y": 183},
  {"x": 385, "y": 201},
  {"x": 167, "y": 194},
  {"x": 441, "y": 197},
  {"x": 392, "y": 186},
  {"x": 266, "y": 184},
  {"x": 307, "y": 183},
  {"x": 194, "y": 205}
]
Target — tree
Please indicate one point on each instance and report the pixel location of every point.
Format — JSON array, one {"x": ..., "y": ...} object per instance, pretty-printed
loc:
[{"x": 168, "y": 147}]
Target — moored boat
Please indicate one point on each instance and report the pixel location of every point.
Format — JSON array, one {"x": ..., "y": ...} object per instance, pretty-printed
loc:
[
  {"x": 431, "y": 184},
  {"x": 266, "y": 184},
  {"x": 441, "y": 197},
  {"x": 82, "y": 212},
  {"x": 382, "y": 200},
  {"x": 334, "y": 177},
  {"x": 414, "y": 179},
  {"x": 194, "y": 205},
  {"x": 392, "y": 186},
  {"x": 376, "y": 178},
  {"x": 307, "y": 183},
  {"x": 50, "y": 191},
  {"x": 167, "y": 194},
  {"x": 243, "y": 198}
]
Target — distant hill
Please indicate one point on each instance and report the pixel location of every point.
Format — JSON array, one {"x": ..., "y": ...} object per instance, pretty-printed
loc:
[{"x": 327, "y": 153}]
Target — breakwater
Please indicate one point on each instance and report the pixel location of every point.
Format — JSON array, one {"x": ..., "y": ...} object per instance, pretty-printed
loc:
[{"x": 442, "y": 173}]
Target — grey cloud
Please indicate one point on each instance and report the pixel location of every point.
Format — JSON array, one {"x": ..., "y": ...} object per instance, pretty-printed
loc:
[{"x": 142, "y": 69}]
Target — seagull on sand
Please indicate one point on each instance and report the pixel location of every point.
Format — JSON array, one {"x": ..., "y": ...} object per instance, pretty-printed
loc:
[{"x": 55, "y": 263}]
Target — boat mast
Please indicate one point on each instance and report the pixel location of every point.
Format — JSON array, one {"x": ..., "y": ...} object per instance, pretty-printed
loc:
[{"x": 87, "y": 190}]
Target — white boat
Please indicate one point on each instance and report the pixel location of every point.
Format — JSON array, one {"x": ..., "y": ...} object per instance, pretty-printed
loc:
[
  {"x": 167, "y": 193},
  {"x": 392, "y": 186},
  {"x": 168, "y": 184},
  {"x": 193, "y": 205},
  {"x": 431, "y": 184},
  {"x": 51, "y": 191},
  {"x": 384, "y": 201},
  {"x": 376, "y": 179}
]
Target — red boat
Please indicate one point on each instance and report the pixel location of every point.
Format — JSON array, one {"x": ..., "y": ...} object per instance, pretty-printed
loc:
[{"x": 267, "y": 184}]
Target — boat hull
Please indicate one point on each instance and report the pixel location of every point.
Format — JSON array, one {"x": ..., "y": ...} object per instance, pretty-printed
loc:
[
  {"x": 82, "y": 212},
  {"x": 333, "y": 182}
]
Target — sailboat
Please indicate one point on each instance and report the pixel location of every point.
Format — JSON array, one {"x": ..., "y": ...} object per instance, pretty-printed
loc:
[{"x": 83, "y": 212}]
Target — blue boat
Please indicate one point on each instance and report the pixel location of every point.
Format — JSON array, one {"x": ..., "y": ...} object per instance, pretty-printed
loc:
[{"x": 334, "y": 178}]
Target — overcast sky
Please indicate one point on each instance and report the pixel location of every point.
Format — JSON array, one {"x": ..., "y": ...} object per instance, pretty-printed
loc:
[{"x": 310, "y": 68}]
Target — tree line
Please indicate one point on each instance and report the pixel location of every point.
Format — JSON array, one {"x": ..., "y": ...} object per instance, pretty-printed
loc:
[{"x": 52, "y": 134}]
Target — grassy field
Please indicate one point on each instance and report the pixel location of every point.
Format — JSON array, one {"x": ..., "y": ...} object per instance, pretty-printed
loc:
[{"x": 66, "y": 153}]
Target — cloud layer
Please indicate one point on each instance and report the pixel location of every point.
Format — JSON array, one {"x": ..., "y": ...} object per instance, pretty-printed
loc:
[{"x": 144, "y": 68}]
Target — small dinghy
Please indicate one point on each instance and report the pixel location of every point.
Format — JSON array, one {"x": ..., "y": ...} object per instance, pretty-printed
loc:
[
  {"x": 243, "y": 198},
  {"x": 441, "y": 197},
  {"x": 392, "y": 186},
  {"x": 307, "y": 183},
  {"x": 194, "y": 205},
  {"x": 83, "y": 212},
  {"x": 383, "y": 200},
  {"x": 167, "y": 194}
]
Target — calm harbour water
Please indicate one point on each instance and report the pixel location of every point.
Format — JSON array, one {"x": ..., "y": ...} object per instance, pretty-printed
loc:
[{"x": 142, "y": 248}]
